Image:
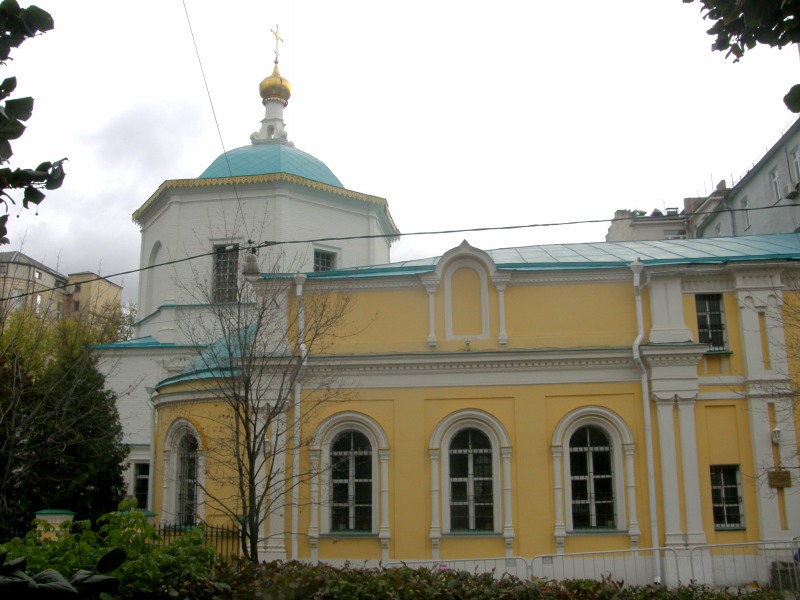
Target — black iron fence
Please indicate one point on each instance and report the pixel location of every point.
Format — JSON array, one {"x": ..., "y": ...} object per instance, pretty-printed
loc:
[{"x": 223, "y": 538}]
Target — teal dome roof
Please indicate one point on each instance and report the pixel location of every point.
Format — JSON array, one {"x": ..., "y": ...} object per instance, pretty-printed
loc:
[{"x": 263, "y": 159}]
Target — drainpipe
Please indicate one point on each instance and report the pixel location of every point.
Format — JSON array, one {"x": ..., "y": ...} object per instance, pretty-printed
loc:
[
  {"x": 299, "y": 280},
  {"x": 638, "y": 267}
]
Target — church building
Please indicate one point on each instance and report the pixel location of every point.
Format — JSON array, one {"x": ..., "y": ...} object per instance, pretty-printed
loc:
[{"x": 515, "y": 402}]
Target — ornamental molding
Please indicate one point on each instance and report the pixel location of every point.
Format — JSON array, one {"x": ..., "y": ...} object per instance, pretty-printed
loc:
[
  {"x": 568, "y": 276},
  {"x": 479, "y": 368},
  {"x": 673, "y": 355},
  {"x": 218, "y": 182},
  {"x": 707, "y": 284}
]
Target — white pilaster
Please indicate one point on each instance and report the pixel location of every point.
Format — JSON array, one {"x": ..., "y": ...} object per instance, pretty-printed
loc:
[
  {"x": 385, "y": 533},
  {"x": 560, "y": 532},
  {"x": 436, "y": 528},
  {"x": 630, "y": 486},
  {"x": 666, "y": 311},
  {"x": 695, "y": 535},
  {"x": 508, "y": 517},
  {"x": 673, "y": 534}
]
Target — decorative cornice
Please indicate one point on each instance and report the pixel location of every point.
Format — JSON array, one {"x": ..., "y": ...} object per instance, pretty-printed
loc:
[
  {"x": 673, "y": 354},
  {"x": 255, "y": 179}
]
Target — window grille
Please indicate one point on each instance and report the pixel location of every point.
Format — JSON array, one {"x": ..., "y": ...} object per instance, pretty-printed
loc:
[
  {"x": 710, "y": 322},
  {"x": 324, "y": 261},
  {"x": 141, "y": 482},
  {"x": 471, "y": 487},
  {"x": 591, "y": 479},
  {"x": 726, "y": 497},
  {"x": 187, "y": 481},
  {"x": 351, "y": 482},
  {"x": 226, "y": 273}
]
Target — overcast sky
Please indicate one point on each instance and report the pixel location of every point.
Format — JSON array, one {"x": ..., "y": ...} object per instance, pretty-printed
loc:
[{"x": 461, "y": 114}]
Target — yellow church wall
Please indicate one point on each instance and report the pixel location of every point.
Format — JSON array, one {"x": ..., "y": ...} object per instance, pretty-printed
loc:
[
  {"x": 722, "y": 427},
  {"x": 567, "y": 315},
  {"x": 210, "y": 420},
  {"x": 553, "y": 316},
  {"x": 530, "y": 414}
]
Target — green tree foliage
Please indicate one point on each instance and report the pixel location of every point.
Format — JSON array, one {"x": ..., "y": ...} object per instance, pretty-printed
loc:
[
  {"x": 16, "y": 25},
  {"x": 60, "y": 434},
  {"x": 739, "y": 25}
]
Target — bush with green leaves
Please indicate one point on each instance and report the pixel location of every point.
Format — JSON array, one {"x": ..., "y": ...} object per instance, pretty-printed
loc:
[{"x": 150, "y": 565}]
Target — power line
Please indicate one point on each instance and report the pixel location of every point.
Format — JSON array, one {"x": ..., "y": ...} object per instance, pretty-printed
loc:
[{"x": 264, "y": 244}]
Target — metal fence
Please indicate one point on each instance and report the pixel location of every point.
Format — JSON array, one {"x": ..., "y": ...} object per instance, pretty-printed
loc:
[
  {"x": 223, "y": 538},
  {"x": 737, "y": 566},
  {"x": 513, "y": 565},
  {"x": 634, "y": 567}
]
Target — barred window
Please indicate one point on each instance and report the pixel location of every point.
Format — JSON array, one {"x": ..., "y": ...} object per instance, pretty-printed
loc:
[
  {"x": 710, "y": 321},
  {"x": 324, "y": 261},
  {"x": 726, "y": 497},
  {"x": 351, "y": 482},
  {"x": 471, "y": 487},
  {"x": 141, "y": 483},
  {"x": 591, "y": 479},
  {"x": 187, "y": 480},
  {"x": 226, "y": 273}
]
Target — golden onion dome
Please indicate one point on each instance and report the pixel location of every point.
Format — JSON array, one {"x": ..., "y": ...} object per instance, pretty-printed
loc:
[{"x": 275, "y": 87}]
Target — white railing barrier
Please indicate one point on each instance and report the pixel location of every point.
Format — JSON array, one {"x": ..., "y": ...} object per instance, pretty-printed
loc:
[
  {"x": 512, "y": 565},
  {"x": 633, "y": 567},
  {"x": 743, "y": 565}
]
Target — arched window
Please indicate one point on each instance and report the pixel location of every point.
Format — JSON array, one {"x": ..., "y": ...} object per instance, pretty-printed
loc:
[
  {"x": 595, "y": 478},
  {"x": 591, "y": 469},
  {"x": 351, "y": 482},
  {"x": 349, "y": 457},
  {"x": 186, "y": 482},
  {"x": 471, "y": 487}
]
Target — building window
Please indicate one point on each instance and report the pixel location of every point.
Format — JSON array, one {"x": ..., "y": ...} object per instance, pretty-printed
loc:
[
  {"x": 17, "y": 299},
  {"x": 324, "y": 261},
  {"x": 141, "y": 482},
  {"x": 226, "y": 273},
  {"x": 471, "y": 487},
  {"x": 351, "y": 482},
  {"x": 674, "y": 234},
  {"x": 38, "y": 305},
  {"x": 3, "y": 269},
  {"x": 726, "y": 497},
  {"x": 710, "y": 322},
  {"x": 591, "y": 479},
  {"x": 746, "y": 212},
  {"x": 76, "y": 288},
  {"x": 186, "y": 508},
  {"x": 796, "y": 163},
  {"x": 37, "y": 274},
  {"x": 775, "y": 179},
  {"x": 76, "y": 306}
]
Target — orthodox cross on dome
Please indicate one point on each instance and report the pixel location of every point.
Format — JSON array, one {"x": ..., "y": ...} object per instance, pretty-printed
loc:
[{"x": 278, "y": 39}]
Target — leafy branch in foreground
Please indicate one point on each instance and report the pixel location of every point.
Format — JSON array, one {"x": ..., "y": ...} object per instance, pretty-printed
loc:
[{"x": 16, "y": 25}]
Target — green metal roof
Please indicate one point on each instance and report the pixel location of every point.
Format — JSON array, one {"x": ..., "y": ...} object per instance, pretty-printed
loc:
[
  {"x": 142, "y": 342},
  {"x": 599, "y": 255},
  {"x": 262, "y": 159}
]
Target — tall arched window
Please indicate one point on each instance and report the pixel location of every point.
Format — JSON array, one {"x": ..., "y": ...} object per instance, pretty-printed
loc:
[
  {"x": 471, "y": 487},
  {"x": 186, "y": 482},
  {"x": 351, "y": 482},
  {"x": 591, "y": 479}
]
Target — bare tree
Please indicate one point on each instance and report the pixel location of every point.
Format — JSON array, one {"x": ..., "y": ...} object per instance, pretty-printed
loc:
[{"x": 255, "y": 341}]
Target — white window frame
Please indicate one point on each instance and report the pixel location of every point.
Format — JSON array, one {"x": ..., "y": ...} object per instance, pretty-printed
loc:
[
  {"x": 775, "y": 179},
  {"x": 169, "y": 504},
  {"x": 438, "y": 453},
  {"x": 624, "y": 484},
  {"x": 320, "y": 455},
  {"x": 746, "y": 213},
  {"x": 795, "y": 154},
  {"x": 723, "y": 322},
  {"x": 225, "y": 273},
  {"x": 727, "y": 484}
]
